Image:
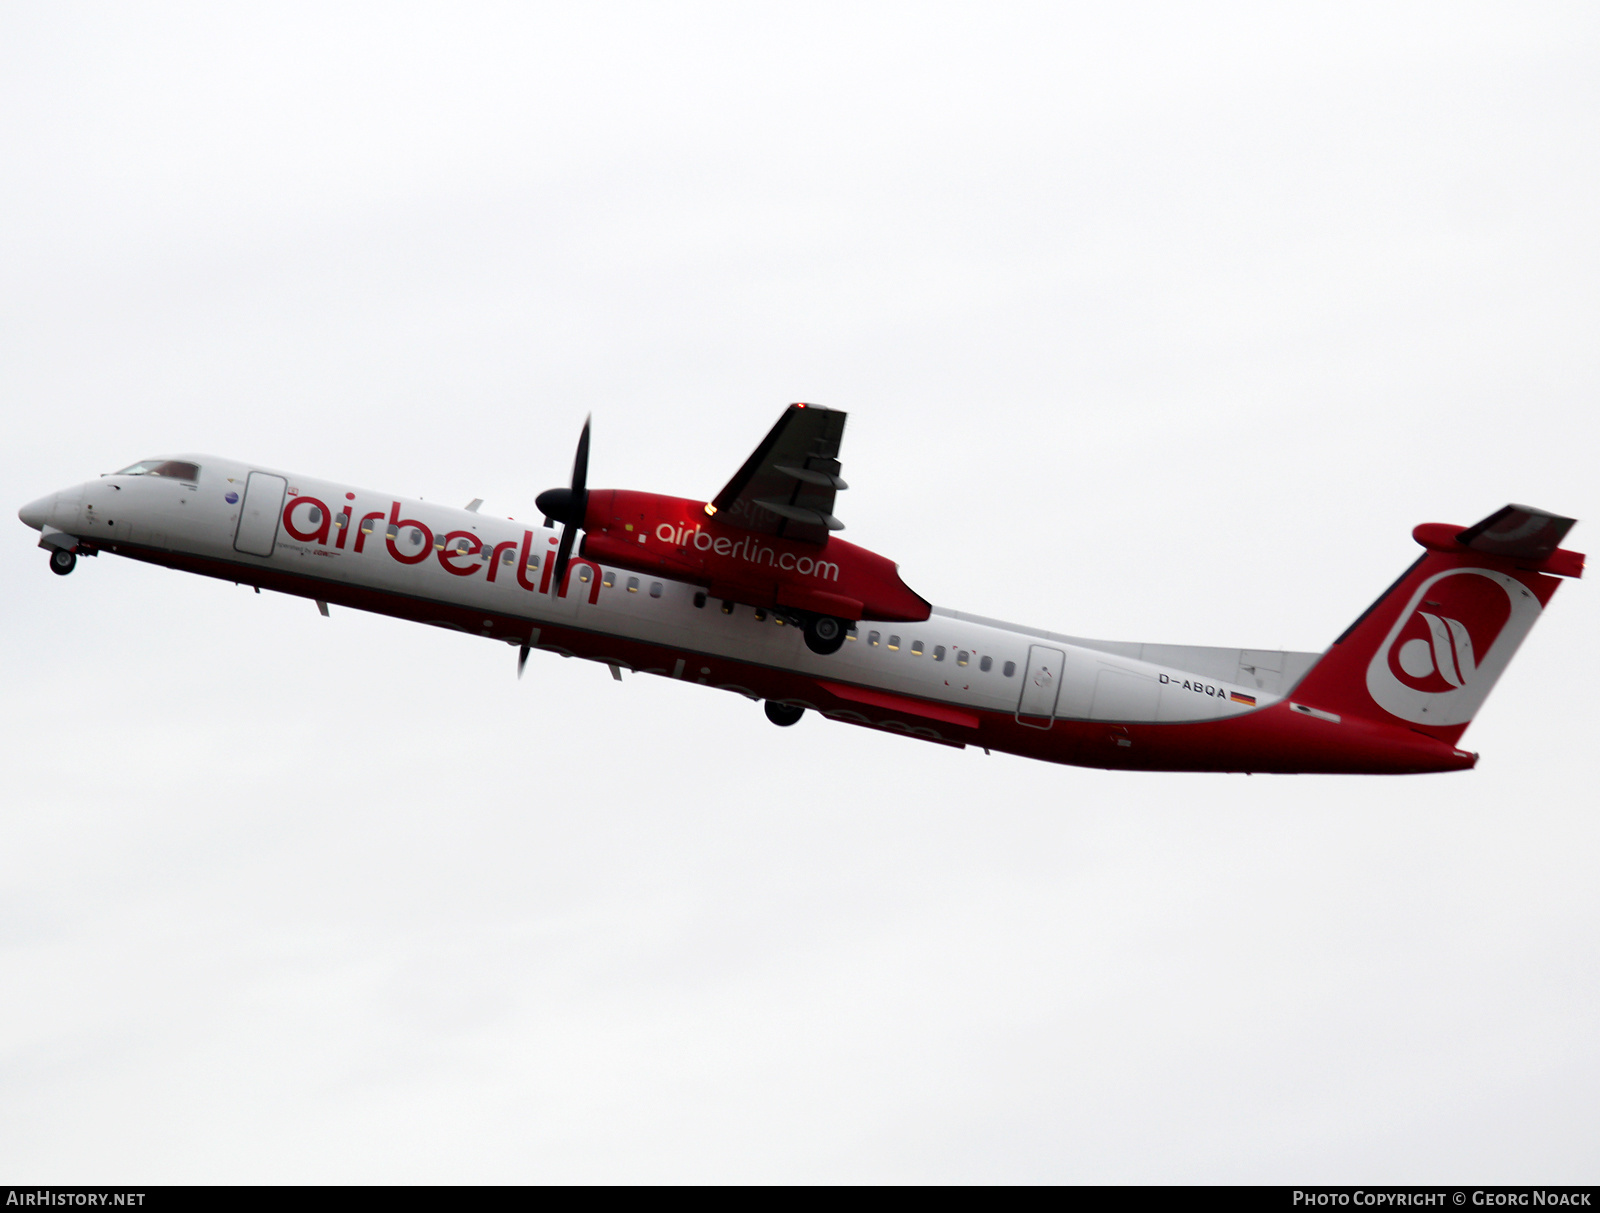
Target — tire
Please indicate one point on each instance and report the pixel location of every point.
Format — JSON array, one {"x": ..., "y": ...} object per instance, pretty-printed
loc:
[
  {"x": 62, "y": 561},
  {"x": 825, "y": 634},
  {"x": 782, "y": 714}
]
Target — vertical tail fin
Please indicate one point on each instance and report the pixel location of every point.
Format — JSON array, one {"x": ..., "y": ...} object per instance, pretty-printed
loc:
[{"x": 1426, "y": 654}]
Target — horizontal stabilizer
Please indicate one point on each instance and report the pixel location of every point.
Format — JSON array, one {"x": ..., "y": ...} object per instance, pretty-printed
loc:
[{"x": 1517, "y": 531}]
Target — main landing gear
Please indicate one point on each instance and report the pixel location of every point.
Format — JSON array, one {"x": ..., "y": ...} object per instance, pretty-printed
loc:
[
  {"x": 825, "y": 634},
  {"x": 62, "y": 561},
  {"x": 782, "y": 714}
]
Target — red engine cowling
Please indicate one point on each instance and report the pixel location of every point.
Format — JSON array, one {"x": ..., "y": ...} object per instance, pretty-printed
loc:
[{"x": 677, "y": 538}]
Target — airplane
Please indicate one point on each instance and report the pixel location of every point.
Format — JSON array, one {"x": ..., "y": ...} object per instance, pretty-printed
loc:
[{"x": 753, "y": 592}]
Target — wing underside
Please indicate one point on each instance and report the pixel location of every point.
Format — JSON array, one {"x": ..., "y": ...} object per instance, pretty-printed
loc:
[{"x": 787, "y": 486}]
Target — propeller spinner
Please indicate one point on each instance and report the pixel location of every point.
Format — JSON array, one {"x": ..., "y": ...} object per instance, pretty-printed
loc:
[{"x": 568, "y": 506}]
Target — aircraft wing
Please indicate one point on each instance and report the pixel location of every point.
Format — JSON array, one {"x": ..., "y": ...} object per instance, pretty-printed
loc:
[{"x": 786, "y": 487}]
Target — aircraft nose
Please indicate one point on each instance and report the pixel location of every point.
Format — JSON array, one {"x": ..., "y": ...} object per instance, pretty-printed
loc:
[{"x": 37, "y": 513}]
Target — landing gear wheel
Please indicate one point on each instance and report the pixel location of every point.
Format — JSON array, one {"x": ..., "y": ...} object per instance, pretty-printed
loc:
[
  {"x": 825, "y": 634},
  {"x": 782, "y": 714},
  {"x": 62, "y": 561}
]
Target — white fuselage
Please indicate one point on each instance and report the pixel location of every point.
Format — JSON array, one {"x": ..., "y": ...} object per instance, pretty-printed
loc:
[{"x": 965, "y": 662}]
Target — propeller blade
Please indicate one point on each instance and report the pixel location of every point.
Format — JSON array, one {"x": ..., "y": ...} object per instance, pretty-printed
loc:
[
  {"x": 580, "y": 464},
  {"x": 563, "y": 555},
  {"x": 522, "y": 658},
  {"x": 569, "y": 506}
]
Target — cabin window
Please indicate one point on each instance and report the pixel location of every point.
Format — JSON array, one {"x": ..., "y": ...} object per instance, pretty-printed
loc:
[
  {"x": 961, "y": 657},
  {"x": 1009, "y": 668},
  {"x": 894, "y": 643},
  {"x": 916, "y": 648},
  {"x": 872, "y": 639},
  {"x": 655, "y": 589},
  {"x": 507, "y": 556},
  {"x": 394, "y": 531},
  {"x": 583, "y": 573},
  {"x": 851, "y": 633},
  {"x": 700, "y": 598},
  {"x": 727, "y": 607},
  {"x": 938, "y": 652},
  {"x": 533, "y": 561},
  {"x": 316, "y": 516},
  {"x": 986, "y": 664},
  {"x": 366, "y": 529},
  {"x": 416, "y": 535},
  {"x": 610, "y": 579},
  {"x": 167, "y": 469},
  {"x": 761, "y": 615},
  {"x": 633, "y": 585}
]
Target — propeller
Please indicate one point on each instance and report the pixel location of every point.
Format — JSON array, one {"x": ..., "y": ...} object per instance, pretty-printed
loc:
[
  {"x": 522, "y": 658},
  {"x": 568, "y": 507}
]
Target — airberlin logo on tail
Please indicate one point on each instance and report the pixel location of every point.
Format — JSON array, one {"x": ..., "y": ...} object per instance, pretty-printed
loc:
[
  {"x": 1450, "y": 644},
  {"x": 1445, "y": 653}
]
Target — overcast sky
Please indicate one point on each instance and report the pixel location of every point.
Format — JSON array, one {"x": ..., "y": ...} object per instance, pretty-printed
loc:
[{"x": 1153, "y": 323}]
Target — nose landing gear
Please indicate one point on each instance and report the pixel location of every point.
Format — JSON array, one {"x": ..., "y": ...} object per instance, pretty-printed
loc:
[
  {"x": 62, "y": 561},
  {"x": 782, "y": 714}
]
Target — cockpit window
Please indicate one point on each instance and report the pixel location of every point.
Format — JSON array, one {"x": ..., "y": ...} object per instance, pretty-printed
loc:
[{"x": 171, "y": 469}]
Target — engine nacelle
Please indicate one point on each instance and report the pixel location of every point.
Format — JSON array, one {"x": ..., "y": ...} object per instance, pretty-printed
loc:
[{"x": 676, "y": 537}]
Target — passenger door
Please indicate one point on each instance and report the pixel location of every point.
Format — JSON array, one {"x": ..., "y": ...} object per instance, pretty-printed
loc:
[
  {"x": 259, "y": 514},
  {"x": 1041, "y": 687}
]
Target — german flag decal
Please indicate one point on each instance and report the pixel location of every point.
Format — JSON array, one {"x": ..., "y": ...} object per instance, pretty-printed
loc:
[{"x": 1241, "y": 697}]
